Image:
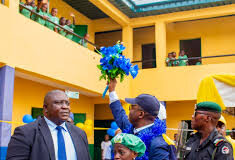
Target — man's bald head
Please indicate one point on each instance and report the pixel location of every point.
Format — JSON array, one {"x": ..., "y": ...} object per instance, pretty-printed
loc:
[
  {"x": 51, "y": 93},
  {"x": 56, "y": 106}
]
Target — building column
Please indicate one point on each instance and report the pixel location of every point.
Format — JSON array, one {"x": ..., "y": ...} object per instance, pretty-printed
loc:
[
  {"x": 160, "y": 39},
  {"x": 127, "y": 38},
  {"x": 7, "y": 75},
  {"x": 14, "y": 5}
]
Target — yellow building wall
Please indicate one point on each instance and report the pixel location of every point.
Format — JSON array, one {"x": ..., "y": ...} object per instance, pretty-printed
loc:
[
  {"x": 181, "y": 83},
  {"x": 217, "y": 37},
  {"x": 35, "y": 49},
  {"x": 175, "y": 83},
  {"x": 105, "y": 24},
  {"x": 142, "y": 36},
  {"x": 64, "y": 10},
  {"x": 176, "y": 112},
  {"x": 103, "y": 112},
  {"x": 28, "y": 94},
  {"x": 230, "y": 120}
]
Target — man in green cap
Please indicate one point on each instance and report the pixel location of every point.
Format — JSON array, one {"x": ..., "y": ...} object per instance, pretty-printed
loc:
[
  {"x": 127, "y": 146},
  {"x": 207, "y": 143}
]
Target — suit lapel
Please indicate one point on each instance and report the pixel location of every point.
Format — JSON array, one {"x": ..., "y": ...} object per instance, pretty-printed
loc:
[
  {"x": 47, "y": 137},
  {"x": 77, "y": 142}
]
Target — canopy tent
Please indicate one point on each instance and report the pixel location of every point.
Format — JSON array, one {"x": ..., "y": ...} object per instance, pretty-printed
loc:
[{"x": 219, "y": 89}]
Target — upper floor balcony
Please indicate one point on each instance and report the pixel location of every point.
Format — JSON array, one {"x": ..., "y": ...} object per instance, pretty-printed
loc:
[{"x": 36, "y": 50}]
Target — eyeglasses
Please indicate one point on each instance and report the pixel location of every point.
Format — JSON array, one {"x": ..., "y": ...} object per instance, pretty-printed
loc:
[{"x": 196, "y": 113}]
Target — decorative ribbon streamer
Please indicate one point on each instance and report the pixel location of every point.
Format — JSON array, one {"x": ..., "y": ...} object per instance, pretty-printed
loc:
[
  {"x": 105, "y": 91},
  {"x": 98, "y": 128},
  {"x": 12, "y": 122}
]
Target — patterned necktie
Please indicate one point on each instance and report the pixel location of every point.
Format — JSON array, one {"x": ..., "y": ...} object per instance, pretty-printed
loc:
[{"x": 61, "y": 144}]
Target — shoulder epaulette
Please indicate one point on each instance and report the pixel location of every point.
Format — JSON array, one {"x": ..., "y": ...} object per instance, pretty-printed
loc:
[
  {"x": 168, "y": 140},
  {"x": 218, "y": 141}
]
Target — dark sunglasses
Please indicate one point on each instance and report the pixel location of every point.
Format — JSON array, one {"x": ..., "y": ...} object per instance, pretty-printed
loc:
[{"x": 196, "y": 113}]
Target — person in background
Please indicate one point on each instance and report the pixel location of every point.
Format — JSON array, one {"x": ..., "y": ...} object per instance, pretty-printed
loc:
[
  {"x": 221, "y": 128},
  {"x": 233, "y": 134},
  {"x": 24, "y": 11},
  {"x": 54, "y": 19},
  {"x": 184, "y": 57},
  {"x": 36, "y": 8},
  {"x": 70, "y": 26},
  {"x": 68, "y": 22},
  {"x": 39, "y": 5},
  {"x": 67, "y": 26},
  {"x": 174, "y": 62},
  {"x": 199, "y": 62},
  {"x": 83, "y": 41},
  {"x": 33, "y": 4},
  {"x": 168, "y": 59},
  {"x": 127, "y": 147},
  {"x": 44, "y": 14},
  {"x": 106, "y": 148},
  {"x": 62, "y": 23},
  {"x": 176, "y": 139},
  {"x": 71, "y": 118}
]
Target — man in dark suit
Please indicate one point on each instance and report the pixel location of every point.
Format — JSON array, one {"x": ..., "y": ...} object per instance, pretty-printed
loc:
[{"x": 50, "y": 137}]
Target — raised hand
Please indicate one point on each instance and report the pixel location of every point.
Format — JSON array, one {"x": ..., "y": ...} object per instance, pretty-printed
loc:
[{"x": 112, "y": 85}]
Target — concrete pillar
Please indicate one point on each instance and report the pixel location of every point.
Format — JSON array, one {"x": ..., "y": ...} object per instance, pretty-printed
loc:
[
  {"x": 160, "y": 38},
  {"x": 127, "y": 38},
  {"x": 14, "y": 5},
  {"x": 7, "y": 75}
]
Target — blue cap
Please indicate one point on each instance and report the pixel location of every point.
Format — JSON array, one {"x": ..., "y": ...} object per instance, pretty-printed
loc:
[{"x": 147, "y": 102}]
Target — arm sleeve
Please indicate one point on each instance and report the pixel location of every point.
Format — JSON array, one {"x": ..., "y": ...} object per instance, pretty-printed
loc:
[
  {"x": 113, "y": 97},
  {"x": 119, "y": 115},
  {"x": 18, "y": 147},
  {"x": 102, "y": 145},
  {"x": 224, "y": 152},
  {"x": 159, "y": 150}
]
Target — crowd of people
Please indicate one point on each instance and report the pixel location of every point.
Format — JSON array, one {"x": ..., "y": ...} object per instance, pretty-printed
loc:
[
  {"x": 141, "y": 135},
  {"x": 42, "y": 9},
  {"x": 182, "y": 60}
]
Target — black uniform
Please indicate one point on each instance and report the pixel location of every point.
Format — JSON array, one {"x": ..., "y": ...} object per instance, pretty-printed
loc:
[{"x": 214, "y": 146}]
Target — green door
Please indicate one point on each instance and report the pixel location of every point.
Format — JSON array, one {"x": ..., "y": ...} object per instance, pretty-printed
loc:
[{"x": 80, "y": 30}]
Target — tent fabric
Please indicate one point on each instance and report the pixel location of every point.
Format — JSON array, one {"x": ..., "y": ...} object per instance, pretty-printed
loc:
[
  {"x": 208, "y": 90},
  {"x": 226, "y": 92}
]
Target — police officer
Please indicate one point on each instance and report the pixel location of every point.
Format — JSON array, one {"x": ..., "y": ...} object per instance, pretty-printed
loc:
[{"x": 207, "y": 143}]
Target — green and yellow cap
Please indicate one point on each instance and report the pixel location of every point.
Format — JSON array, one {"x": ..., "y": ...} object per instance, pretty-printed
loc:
[
  {"x": 208, "y": 106},
  {"x": 130, "y": 141}
]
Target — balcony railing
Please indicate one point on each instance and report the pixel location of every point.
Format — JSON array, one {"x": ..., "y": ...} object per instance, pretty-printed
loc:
[
  {"x": 192, "y": 58},
  {"x": 61, "y": 27}
]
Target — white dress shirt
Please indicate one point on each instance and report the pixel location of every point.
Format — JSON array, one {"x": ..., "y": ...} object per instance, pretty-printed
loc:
[
  {"x": 113, "y": 97},
  {"x": 69, "y": 146},
  {"x": 141, "y": 128}
]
